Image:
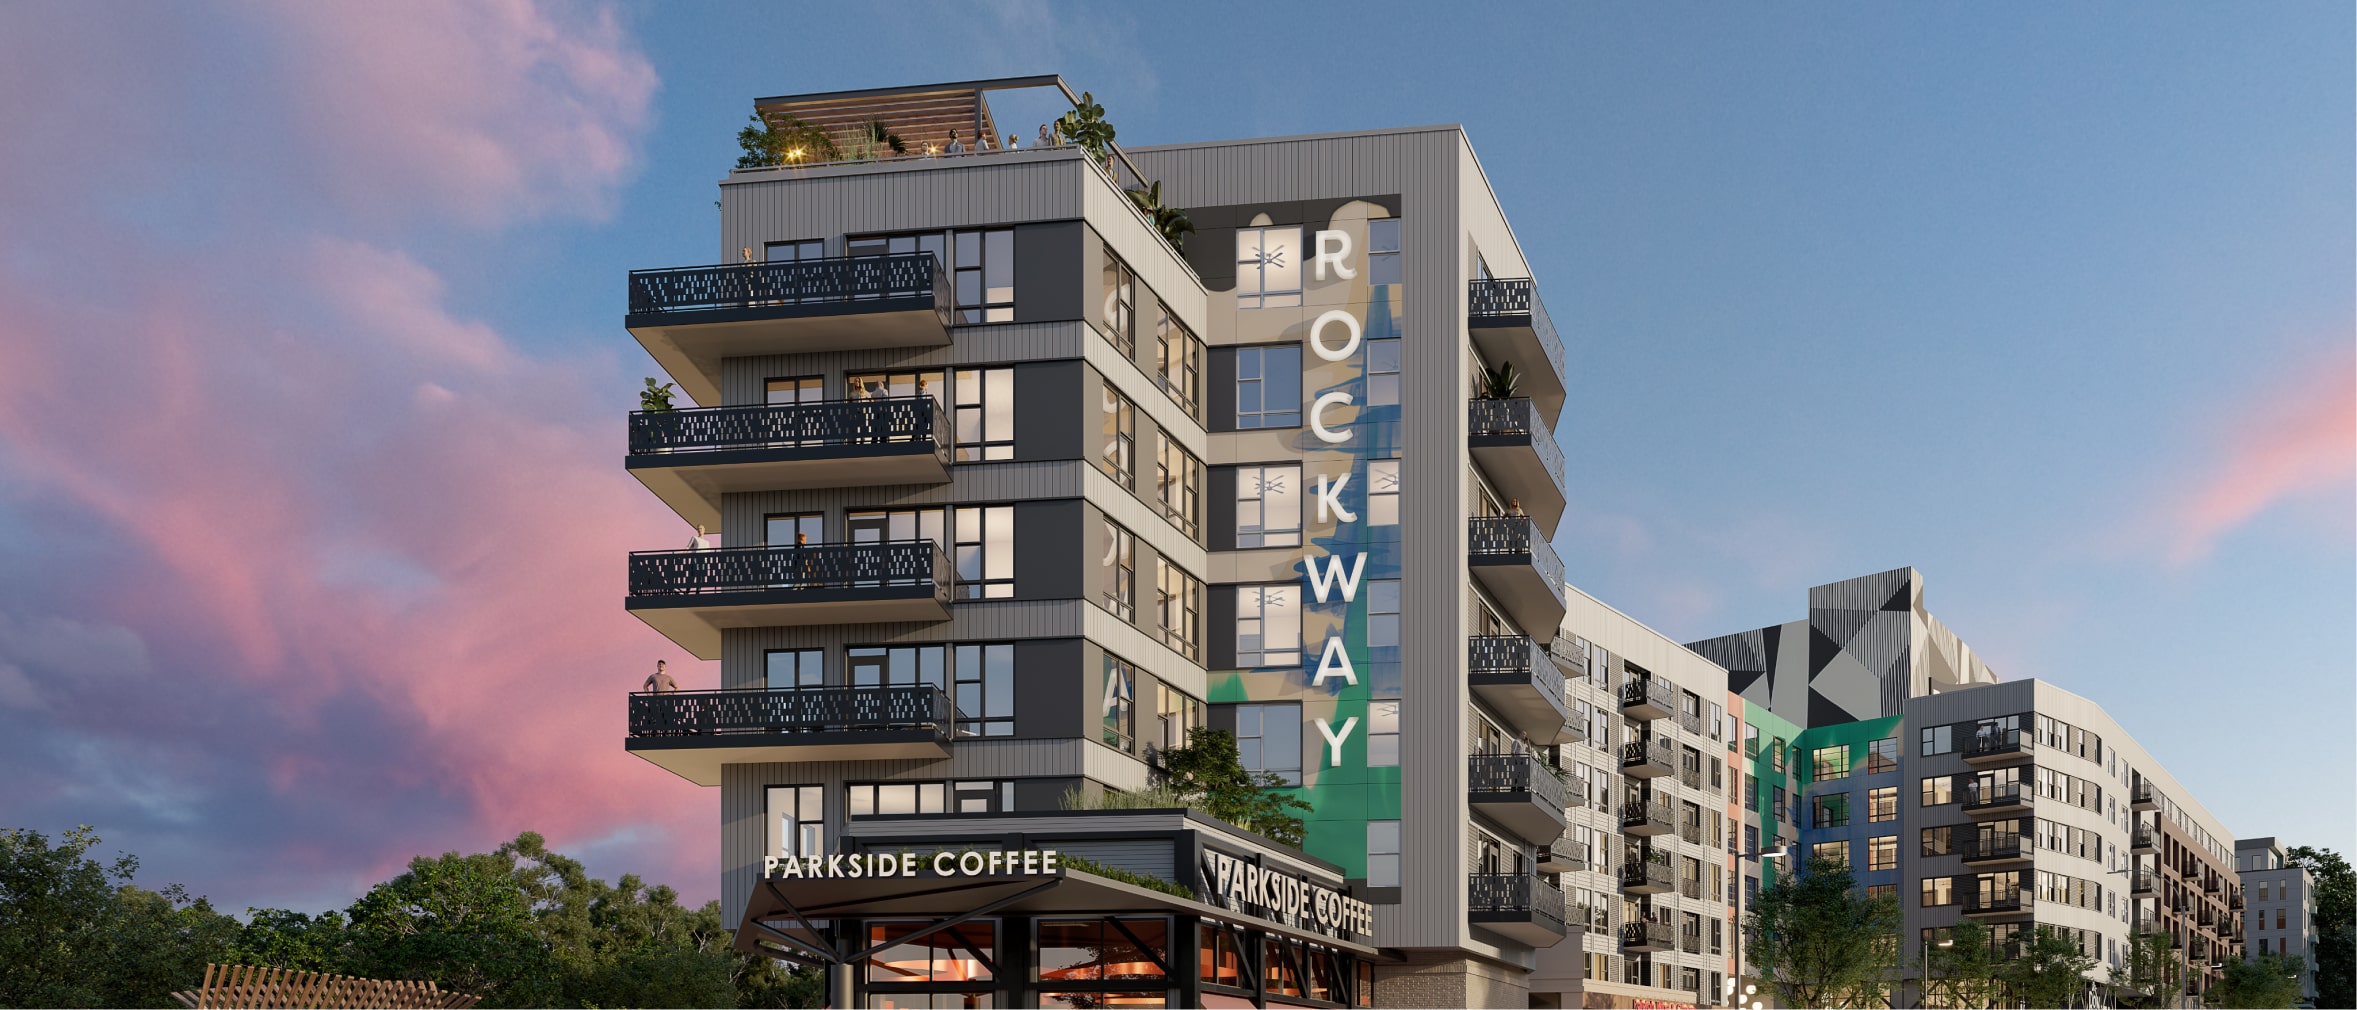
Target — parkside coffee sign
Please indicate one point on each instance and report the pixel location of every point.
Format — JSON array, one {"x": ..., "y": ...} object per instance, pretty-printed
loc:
[
  {"x": 946, "y": 863},
  {"x": 1236, "y": 884}
]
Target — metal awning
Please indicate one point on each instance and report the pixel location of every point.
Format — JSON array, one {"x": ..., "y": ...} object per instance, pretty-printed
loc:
[{"x": 781, "y": 912}]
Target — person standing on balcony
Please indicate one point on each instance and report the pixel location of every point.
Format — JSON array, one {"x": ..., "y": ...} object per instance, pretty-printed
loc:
[
  {"x": 660, "y": 681},
  {"x": 701, "y": 542}
]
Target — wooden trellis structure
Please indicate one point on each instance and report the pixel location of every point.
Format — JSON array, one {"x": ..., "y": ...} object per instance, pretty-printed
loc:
[{"x": 253, "y": 987}]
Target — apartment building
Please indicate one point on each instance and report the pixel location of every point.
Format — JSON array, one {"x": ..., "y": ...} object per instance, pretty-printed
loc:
[
  {"x": 1012, "y": 493},
  {"x": 2281, "y": 900}
]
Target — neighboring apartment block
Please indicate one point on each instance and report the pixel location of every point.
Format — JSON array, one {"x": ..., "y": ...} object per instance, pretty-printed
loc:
[
  {"x": 2281, "y": 901},
  {"x": 1013, "y": 495}
]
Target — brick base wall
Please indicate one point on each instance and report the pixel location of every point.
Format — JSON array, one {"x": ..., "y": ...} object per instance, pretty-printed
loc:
[{"x": 1440, "y": 980}]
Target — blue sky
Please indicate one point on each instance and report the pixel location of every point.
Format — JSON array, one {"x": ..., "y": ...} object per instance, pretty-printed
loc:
[{"x": 318, "y": 484}]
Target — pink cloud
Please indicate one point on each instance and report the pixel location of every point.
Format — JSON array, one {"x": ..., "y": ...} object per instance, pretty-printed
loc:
[{"x": 2297, "y": 438}]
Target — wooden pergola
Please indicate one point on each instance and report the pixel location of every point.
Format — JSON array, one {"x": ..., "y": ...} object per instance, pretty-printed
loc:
[{"x": 243, "y": 986}]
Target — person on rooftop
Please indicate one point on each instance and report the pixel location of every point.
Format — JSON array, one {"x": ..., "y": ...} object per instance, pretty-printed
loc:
[{"x": 956, "y": 146}]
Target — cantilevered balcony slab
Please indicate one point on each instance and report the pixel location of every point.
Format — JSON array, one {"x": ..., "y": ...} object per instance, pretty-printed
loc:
[
  {"x": 1519, "y": 906},
  {"x": 1515, "y": 676},
  {"x": 1518, "y": 567},
  {"x": 1999, "y": 903},
  {"x": 1518, "y": 791},
  {"x": 1995, "y": 850},
  {"x": 1515, "y": 448},
  {"x": 689, "y": 318},
  {"x": 689, "y": 458},
  {"x": 1646, "y": 698},
  {"x": 692, "y": 733},
  {"x": 2003, "y": 800},
  {"x": 2000, "y": 747},
  {"x": 1509, "y": 325},
  {"x": 690, "y": 596}
]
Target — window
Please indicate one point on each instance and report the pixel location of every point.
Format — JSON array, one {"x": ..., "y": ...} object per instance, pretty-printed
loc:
[
  {"x": 1751, "y": 740},
  {"x": 788, "y": 530},
  {"x": 1938, "y": 891},
  {"x": 1882, "y": 852},
  {"x": 1268, "y": 739},
  {"x": 1890, "y": 891},
  {"x": 1882, "y": 756},
  {"x": 794, "y": 669},
  {"x": 1777, "y": 794},
  {"x": 1383, "y": 493},
  {"x": 1383, "y": 733},
  {"x": 1936, "y": 741},
  {"x": 1121, "y": 301},
  {"x": 1179, "y": 598},
  {"x": 985, "y": 555},
  {"x": 796, "y": 823},
  {"x": 1751, "y": 793},
  {"x": 1383, "y": 251},
  {"x": 885, "y": 385},
  {"x": 1120, "y": 577},
  {"x": 1268, "y": 267},
  {"x": 985, "y": 279},
  {"x": 985, "y": 414},
  {"x": 1937, "y": 792},
  {"x": 1382, "y": 372},
  {"x": 984, "y": 690},
  {"x": 1938, "y": 841},
  {"x": 1751, "y": 838},
  {"x": 1120, "y": 704},
  {"x": 1268, "y": 506},
  {"x": 1268, "y": 625},
  {"x": 1882, "y": 804},
  {"x": 1117, "y": 430},
  {"x": 1832, "y": 811},
  {"x": 987, "y": 796},
  {"x": 868, "y": 798},
  {"x": 1829, "y": 762},
  {"x": 1178, "y": 481},
  {"x": 1180, "y": 716},
  {"x": 1178, "y": 362},
  {"x": 1382, "y": 853},
  {"x": 1383, "y": 613},
  {"x": 898, "y": 665},
  {"x": 1268, "y": 386},
  {"x": 793, "y": 252},
  {"x": 1776, "y": 753},
  {"x": 802, "y": 389}
]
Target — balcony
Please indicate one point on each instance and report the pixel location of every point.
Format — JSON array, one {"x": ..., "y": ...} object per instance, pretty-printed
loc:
[
  {"x": 1641, "y": 759},
  {"x": 1514, "y": 675},
  {"x": 1691, "y": 832},
  {"x": 1994, "y": 849},
  {"x": 1690, "y": 777},
  {"x": 2142, "y": 796},
  {"x": 2144, "y": 882},
  {"x": 691, "y": 595},
  {"x": 1644, "y": 876},
  {"x": 2145, "y": 839},
  {"x": 2015, "y": 901},
  {"x": 1646, "y": 820},
  {"x": 1644, "y": 936},
  {"x": 692, "y": 733},
  {"x": 1514, "y": 446},
  {"x": 1561, "y": 856},
  {"x": 1519, "y": 792},
  {"x": 1690, "y": 940},
  {"x": 1509, "y": 324},
  {"x": 2234, "y": 901},
  {"x": 1999, "y": 747},
  {"x": 689, "y": 318},
  {"x": 1516, "y": 564},
  {"x": 1646, "y": 698},
  {"x": 1690, "y": 887},
  {"x": 689, "y": 458},
  {"x": 1998, "y": 800},
  {"x": 1519, "y": 906}
]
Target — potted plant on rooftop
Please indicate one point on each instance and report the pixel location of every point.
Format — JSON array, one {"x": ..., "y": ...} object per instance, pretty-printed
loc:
[
  {"x": 1170, "y": 221},
  {"x": 1085, "y": 126},
  {"x": 786, "y": 140}
]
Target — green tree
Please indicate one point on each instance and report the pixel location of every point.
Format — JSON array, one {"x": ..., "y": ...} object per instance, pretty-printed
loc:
[
  {"x": 461, "y": 922},
  {"x": 54, "y": 905},
  {"x": 2050, "y": 972},
  {"x": 1821, "y": 941},
  {"x": 2263, "y": 980},
  {"x": 1211, "y": 774},
  {"x": 2336, "y": 924},
  {"x": 2152, "y": 975},
  {"x": 1960, "y": 968},
  {"x": 157, "y": 942},
  {"x": 786, "y": 140},
  {"x": 294, "y": 941}
]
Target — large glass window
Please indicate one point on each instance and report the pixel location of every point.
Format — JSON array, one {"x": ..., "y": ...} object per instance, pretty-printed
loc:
[
  {"x": 1837, "y": 851},
  {"x": 865, "y": 798},
  {"x": 1383, "y": 613},
  {"x": 1178, "y": 714},
  {"x": 1938, "y": 891},
  {"x": 1882, "y": 756},
  {"x": 799, "y": 389},
  {"x": 1382, "y": 853},
  {"x": 1179, "y": 597},
  {"x": 1268, "y": 505},
  {"x": 1383, "y": 266},
  {"x": 787, "y": 530},
  {"x": 1830, "y": 811},
  {"x": 1383, "y": 733},
  {"x": 985, "y": 278},
  {"x": 1120, "y": 571},
  {"x": 898, "y": 665},
  {"x": 1178, "y": 477},
  {"x": 1937, "y": 792},
  {"x": 880, "y": 385},
  {"x": 985, "y": 555},
  {"x": 1382, "y": 372},
  {"x": 1121, "y": 306},
  {"x": 961, "y": 953},
  {"x": 1936, "y": 740},
  {"x": 880, "y": 525},
  {"x": 1268, "y": 267},
  {"x": 797, "y": 823},
  {"x": 1178, "y": 362},
  {"x": 1268, "y": 386},
  {"x": 1829, "y": 762},
  {"x": 1097, "y": 951},
  {"x": 1882, "y": 804},
  {"x": 1383, "y": 494},
  {"x": 985, "y": 414},
  {"x": 794, "y": 669},
  {"x": 984, "y": 689},
  {"x": 1120, "y": 704},
  {"x": 1117, "y": 431},
  {"x": 1268, "y": 739},
  {"x": 1268, "y": 625},
  {"x": 1882, "y": 852}
]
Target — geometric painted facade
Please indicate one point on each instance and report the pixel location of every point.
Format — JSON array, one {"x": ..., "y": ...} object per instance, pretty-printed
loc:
[{"x": 1867, "y": 646}]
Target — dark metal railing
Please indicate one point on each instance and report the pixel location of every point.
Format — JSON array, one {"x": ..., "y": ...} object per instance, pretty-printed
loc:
[
  {"x": 1639, "y": 813},
  {"x": 898, "y": 420},
  {"x": 2144, "y": 882},
  {"x": 1993, "y": 845},
  {"x": 2141, "y": 792},
  {"x": 1515, "y": 895},
  {"x": 891, "y": 563},
  {"x": 1512, "y": 536},
  {"x": 2144, "y": 837},
  {"x": 1977, "y": 794},
  {"x": 814, "y": 710},
  {"x": 1520, "y": 418},
  {"x": 2006, "y": 900},
  {"x": 1690, "y": 940},
  {"x": 1516, "y": 296},
  {"x": 1513, "y": 773},
  {"x": 1643, "y": 872},
  {"x": 1564, "y": 854},
  {"x": 1647, "y": 933},
  {"x": 2011, "y": 741},
  {"x": 1515, "y": 656},
  {"x": 1638, "y": 752},
  {"x": 1647, "y": 691},
  {"x": 803, "y": 282}
]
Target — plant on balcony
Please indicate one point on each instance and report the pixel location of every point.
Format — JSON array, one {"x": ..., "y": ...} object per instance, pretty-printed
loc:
[
  {"x": 1170, "y": 221},
  {"x": 1821, "y": 941},
  {"x": 1500, "y": 383},
  {"x": 1210, "y": 773},
  {"x": 655, "y": 397},
  {"x": 785, "y": 140},
  {"x": 1085, "y": 126}
]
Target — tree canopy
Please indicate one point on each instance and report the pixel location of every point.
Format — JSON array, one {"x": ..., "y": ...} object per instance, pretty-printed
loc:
[
  {"x": 2263, "y": 980},
  {"x": 2336, "y": 924},
  {"x": 1821, "y": 940}
]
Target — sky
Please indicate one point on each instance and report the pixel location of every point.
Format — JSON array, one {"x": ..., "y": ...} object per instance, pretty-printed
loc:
[{"x": 313, "y": 381}]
